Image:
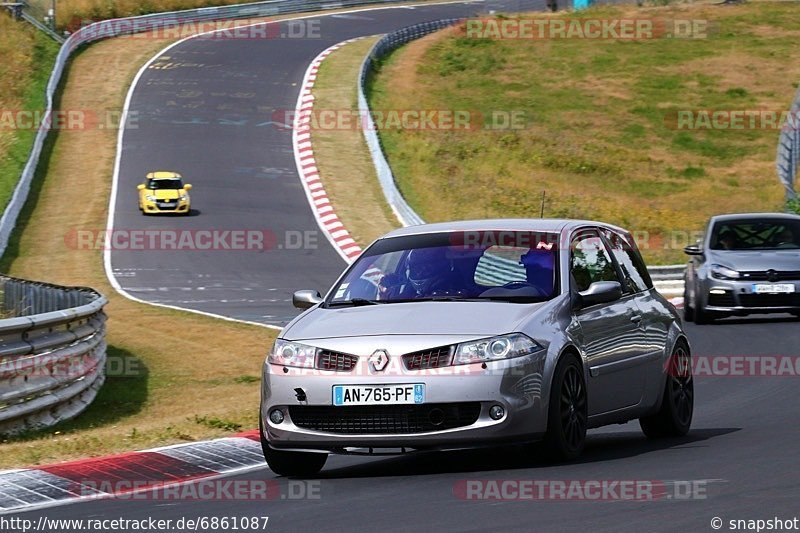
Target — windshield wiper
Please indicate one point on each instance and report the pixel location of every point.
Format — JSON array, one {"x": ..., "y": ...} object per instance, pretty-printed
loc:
[{"x": 355, "y": 302}]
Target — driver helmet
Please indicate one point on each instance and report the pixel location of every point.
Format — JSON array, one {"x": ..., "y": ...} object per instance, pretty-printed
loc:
[{"x": 426, "y": 266}]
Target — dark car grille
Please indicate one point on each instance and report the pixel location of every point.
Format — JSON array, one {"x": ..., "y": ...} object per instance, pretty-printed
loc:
[
  {"x": 168, "y": 205},
  {"x": 775, "y": 275},
  {"x": 722, "y": 300},
  {"x": 433, "y": 358},
  {"x": 385, "y": 419},
  {"x": 770, "y": 300},
  {"x": 340, "y": 362}
]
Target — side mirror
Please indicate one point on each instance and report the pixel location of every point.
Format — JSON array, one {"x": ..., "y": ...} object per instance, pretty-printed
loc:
[
  {"x": 600, "y": 292},
  {"x": 140, "y": 186},
  {"x": 187, "y": 186},
  {"x": 306, "y": 299},
  {"x": 693, "y": 249}
]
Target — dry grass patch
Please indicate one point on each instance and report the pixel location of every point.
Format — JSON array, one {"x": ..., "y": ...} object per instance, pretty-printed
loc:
[
  {"x": 597, "y": 135},
  {"x": 342, "y": 156}
]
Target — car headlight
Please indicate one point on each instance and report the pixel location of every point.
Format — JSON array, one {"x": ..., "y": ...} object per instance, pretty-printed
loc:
[
  {"x": 150, "y": 197},
  {"x": 292, "y": 354},
  {"x": 495, "y": 348},
  {"x": 184, "y": 197},
  {"x": 723, "y": 272}
]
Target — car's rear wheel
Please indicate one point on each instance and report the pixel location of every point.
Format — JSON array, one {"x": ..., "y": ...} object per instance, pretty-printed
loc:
[
  {"x": 674, "y": 417},
  {"x": 568, "y": 411},
  {"x": 291, "y": 464}
]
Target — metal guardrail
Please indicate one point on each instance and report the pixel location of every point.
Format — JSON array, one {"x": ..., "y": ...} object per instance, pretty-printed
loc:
[
  {"x": 52, "y": 353},
  {"x": 668, "y": 279},
  {"x": 789, "y": 149},
  {"x": 130, "y": 25}
]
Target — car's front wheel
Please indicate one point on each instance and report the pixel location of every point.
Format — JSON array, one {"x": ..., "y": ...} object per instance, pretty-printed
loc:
[
  {"x": 568, "y": 411},
  {"x": 291, "y": 464},
  {"x": 701, "y": 316},
  {"x": 688, "y": 309},
  {"x": 674, "y": 417}
]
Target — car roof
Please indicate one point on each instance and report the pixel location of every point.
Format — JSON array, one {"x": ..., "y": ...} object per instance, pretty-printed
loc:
[
  {"x": 550, "y": 225},
  {"x": 163, "y": 175},
  {"x": 754, "y": 216}
]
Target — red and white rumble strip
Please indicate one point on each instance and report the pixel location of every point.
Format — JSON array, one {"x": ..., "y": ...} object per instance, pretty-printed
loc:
[
  {"x": 127, "y": 474},
  {"x": 318, "y": 199}
]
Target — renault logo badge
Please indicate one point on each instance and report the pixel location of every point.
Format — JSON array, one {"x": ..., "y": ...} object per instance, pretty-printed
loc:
[{"x": 378, "y": 360}]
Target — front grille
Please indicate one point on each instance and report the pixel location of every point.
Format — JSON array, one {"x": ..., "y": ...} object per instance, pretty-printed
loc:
[
  {"x": 433, "y": 358},
  {"x": 770, "y": 300},
  {"x": 722, "y": 300},
  {"x": 167, "y": 206},
  {"x": 340, "y": 362},
  {"x": 777, "y": 275},
  {"x": 385, "y": 419}
]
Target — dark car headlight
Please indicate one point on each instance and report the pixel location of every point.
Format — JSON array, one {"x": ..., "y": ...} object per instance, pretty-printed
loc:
[
  {"x": 288, "y": 353},
  {"x": 495, "y": 348},
  {"x": 723, "y": 272}
]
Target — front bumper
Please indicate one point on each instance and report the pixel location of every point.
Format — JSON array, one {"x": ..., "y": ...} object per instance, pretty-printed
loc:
[
  {"x": 159, "y": 207},
  {"x": 516, "y": 385},
  {"x": 739, "y": 297}
]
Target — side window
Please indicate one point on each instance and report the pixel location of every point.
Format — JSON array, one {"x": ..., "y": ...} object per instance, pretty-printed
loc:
[
  {"x": 634, "y": 271},
  {"x": 589, "y": 261}
]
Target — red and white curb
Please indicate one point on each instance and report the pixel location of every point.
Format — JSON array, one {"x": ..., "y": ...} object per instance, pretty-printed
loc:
[
  {"x": 127, "y": 474},
  {"x": 318, "y": 199}
]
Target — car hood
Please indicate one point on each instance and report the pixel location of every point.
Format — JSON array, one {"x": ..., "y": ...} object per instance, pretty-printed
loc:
[
  {"x": 757, "y": 261},
  {"x": 413, "y": 318}
]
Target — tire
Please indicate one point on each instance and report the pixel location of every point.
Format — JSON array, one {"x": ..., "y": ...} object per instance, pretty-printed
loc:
[
  {"x": 291, "y": 464},
  {"x": 701, "y": 316},
  {"x": 567, "y": 414},
  {"x": 688, "y": 310},
  {"x": 674, "y": 418}
]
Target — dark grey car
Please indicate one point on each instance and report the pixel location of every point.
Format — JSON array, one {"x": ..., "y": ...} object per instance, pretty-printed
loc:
[
  {"x": 745, "y": 264},
  {"x": 463, "y": 334}
]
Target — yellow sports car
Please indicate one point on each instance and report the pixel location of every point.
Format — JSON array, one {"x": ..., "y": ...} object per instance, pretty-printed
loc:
[{"x": 164, "y": 192}]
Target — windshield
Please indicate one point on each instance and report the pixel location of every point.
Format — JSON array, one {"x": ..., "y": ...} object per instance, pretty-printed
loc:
[
  {"x": 749, "y": 234},
  {"x": 507, "y": 266},
  {"x": 162, "y": 184}
]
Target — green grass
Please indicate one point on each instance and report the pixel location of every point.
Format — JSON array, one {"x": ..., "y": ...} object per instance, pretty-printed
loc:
[
  {"x": 597, "y": 135},
  {"x": 30, "y": 97}
]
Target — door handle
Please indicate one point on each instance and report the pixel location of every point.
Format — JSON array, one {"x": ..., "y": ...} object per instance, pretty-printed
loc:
[{"x": 636, "y": 319}]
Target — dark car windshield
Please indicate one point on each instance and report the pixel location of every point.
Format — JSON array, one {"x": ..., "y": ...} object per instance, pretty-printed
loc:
[
  {"x": 750, "y": 234},
  {"x": 161, "y": 184},
  {"x": 508, "y": 266}
]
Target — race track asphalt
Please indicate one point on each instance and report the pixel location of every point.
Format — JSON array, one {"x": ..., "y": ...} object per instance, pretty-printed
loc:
[{"x": 212, "y": 109}]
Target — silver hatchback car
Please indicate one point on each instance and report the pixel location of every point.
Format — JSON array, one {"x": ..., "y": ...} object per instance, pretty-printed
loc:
[
  {"x": 464, "y": 334},
  {"x": 746, "y": 264}
]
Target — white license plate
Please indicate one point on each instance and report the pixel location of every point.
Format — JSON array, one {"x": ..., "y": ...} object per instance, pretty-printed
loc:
[
  {"x": 773, "y": 288},
  {"x": 411, "y": 393}
]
